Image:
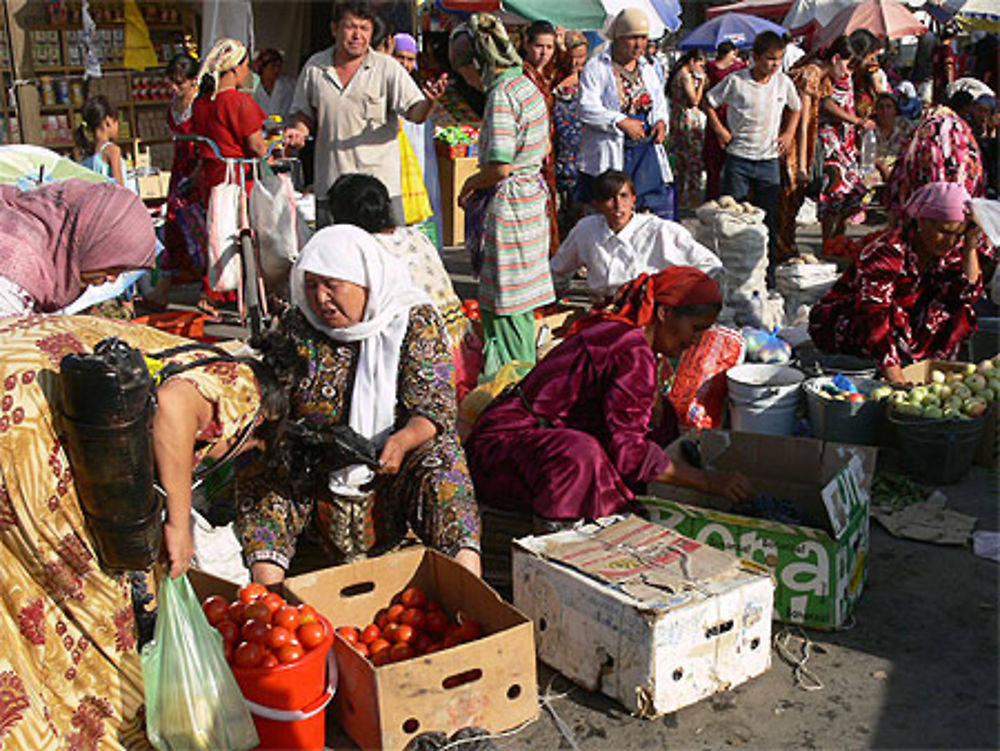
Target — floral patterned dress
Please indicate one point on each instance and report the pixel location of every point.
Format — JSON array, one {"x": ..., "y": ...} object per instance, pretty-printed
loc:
[
  {"x": 887, "y": 308},
  {"x": 687, "y": 135},
  {"x": 567, "y": 123},
  {"x": 844, "y": 188},
  {"x": 70, "y": 676},
  {"x": 286, "y": 494}
]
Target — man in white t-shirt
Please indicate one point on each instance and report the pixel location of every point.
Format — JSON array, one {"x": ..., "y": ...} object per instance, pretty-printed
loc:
[
  {"x": 753, "y": 136},
  {"x": 616, "y": 244}
]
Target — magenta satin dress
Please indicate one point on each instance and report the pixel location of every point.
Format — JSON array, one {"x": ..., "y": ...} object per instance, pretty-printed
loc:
[{"x": 596, "y": 391}]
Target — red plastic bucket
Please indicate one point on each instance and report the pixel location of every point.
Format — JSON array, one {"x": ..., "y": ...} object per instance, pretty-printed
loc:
[{"x": 288, "y": 702}]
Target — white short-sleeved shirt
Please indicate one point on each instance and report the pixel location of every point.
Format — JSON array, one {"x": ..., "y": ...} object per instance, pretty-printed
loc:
[
  {"x": 646, "y": 244},
  {"x": 356, "y": 126},
  {"x": 755, "y": 110}
]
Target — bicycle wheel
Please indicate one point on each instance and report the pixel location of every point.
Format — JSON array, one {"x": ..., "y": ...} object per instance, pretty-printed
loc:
[{"x": 251, "y": 283}]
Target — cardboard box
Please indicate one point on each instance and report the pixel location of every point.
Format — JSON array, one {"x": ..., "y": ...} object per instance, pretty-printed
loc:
[
  {"x": 986, "y": 452},
  {"x": 385, "y": 707},
  {"x": 454, "y": 173},
  {"x": 819, "y": 567},
  {"x": 648, "y": 617}
]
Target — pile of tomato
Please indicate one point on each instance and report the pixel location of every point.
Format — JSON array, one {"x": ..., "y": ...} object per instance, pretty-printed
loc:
[
  {"x": 410, "y": 626},
  {"x": 260, "y": 630}
]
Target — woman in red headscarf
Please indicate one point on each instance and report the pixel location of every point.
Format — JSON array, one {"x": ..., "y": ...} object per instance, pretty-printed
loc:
[
  {"x": 910, "y": 294},
  {"x": 575, "y": 439}
]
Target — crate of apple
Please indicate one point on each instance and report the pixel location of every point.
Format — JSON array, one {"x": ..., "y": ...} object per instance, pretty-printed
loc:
[
  {"x": 964, "y": 394},
  {"x": 261, "y": 630},
  {"x": 412, "y": 625}
]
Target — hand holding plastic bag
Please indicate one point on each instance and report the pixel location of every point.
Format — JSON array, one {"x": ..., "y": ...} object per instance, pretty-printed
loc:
[{"x": 192, "y": 699}]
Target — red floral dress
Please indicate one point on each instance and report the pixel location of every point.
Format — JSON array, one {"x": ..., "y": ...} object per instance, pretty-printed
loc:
[
  {"x": 844, "y": 187},
  {"x": 886, "y": 308}
]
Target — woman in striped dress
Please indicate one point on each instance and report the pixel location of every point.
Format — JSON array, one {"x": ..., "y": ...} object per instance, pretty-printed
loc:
[{"x": 507, "y": 225}]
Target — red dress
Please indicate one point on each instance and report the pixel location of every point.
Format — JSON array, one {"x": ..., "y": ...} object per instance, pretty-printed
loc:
[
  {"x": 588, "y": 445},
  {"x": 712, "y": 152},
  {"x": 229, "y": 120},
  {"x": 884, "y": 307},
  {"x": 184, "y": 231}
]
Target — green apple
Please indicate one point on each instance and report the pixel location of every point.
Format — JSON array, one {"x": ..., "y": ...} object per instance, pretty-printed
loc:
[
  {"x": 962, "y": 391},
  {"x": 945, "y": 392},
  {"x": 908, "y": 409},
  {"x": 953, "y": 402},
  {"x": 986, "y": 367},
  {"x": 917, "y": 394},
  {"x": 976, "y": 381},
  {"x": 937, "y": 376},
  {"x": 933, "y": 413},
  {"x": 899, "y": 397},
  {"x": 974, "y": 407},
  {"x": 931, "y": 400},
  {"x": 952, "y": 414},
  {"x": 882, "y": 392},
  {"x": 969, "y": 368}
]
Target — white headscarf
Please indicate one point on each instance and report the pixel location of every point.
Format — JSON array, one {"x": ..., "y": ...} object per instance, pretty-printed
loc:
[
  {"x": 225, "y": 55},
  {"x": 346, "y": 252}
]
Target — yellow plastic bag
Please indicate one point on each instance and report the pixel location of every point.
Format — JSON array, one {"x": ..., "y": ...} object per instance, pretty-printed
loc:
[
  {"x": 477, "y": 400},
  {"x": 416, "y": 204}
]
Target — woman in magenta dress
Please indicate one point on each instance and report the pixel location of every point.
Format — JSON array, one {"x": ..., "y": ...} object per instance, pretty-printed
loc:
[
  {"x": 575, "y": 438},
  {"x": 231, "y": 118},
  {"x": 910, "y": 294}
]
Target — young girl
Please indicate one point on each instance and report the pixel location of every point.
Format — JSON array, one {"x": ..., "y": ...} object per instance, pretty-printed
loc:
[{"x": 100, "y": 121}]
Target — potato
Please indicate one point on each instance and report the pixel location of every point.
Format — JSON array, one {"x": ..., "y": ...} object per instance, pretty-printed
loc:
[{"x": 728, "y": 203}]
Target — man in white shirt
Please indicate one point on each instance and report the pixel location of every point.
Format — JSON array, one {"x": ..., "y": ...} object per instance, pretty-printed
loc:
[
  {"x": 624, "y": 114},
  {"x": 616, "y": 244},
  {"x": 753, "y": 136},
  {"x": 352, "y": 98}
]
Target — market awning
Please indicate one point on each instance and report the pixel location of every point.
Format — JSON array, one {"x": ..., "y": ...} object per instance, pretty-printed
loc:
[
  {"x": 585, "y": 15},
  {"x": 764, "y": 8}
]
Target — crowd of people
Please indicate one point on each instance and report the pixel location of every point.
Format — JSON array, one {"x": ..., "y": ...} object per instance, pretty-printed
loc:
[{"x": 588, "y": 159}]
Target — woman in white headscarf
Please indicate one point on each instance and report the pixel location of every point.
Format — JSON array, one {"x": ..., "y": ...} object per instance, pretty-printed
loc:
[{"x": 369, "y": 351}]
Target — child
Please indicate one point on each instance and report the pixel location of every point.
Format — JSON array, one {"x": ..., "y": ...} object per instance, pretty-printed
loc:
[
  {"x": 753, "y": 137},
  {"x": 100, "y": 120}
]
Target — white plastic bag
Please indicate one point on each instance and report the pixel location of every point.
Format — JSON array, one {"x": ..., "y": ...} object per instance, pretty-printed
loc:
[
  {"x": 224, "y": 270},
  {"x": 275, "y": 219}
]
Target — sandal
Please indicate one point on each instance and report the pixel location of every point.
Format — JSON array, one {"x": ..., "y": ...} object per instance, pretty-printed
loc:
[{"x": 210, "y": 311}]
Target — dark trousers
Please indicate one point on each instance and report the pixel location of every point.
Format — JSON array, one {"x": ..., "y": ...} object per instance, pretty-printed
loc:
[{"x": 760, "y": 179}]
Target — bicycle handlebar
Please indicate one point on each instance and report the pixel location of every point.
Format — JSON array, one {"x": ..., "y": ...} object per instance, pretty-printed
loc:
[{"x": 218, "y": 154}]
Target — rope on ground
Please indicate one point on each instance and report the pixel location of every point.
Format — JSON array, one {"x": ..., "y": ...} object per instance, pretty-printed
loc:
[
  {"x": 805, "y": 678},
  {"x": 486, "y": 736},
  {"x": 546, "y": 700}
]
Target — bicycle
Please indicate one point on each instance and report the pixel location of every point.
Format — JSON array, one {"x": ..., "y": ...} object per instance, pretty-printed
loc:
[{"x": 251, "y": 297}]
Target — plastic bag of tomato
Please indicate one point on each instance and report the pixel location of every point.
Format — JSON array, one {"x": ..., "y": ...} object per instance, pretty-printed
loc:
[
  {"x": 261, "y": 630},
  {"x": 410, "y": 626}
]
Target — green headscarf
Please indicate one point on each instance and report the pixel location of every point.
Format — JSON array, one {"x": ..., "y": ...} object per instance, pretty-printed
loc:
[{"x": 493, "y": 48}]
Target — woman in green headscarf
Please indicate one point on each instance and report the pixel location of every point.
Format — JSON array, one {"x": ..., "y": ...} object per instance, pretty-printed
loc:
[{"x": 506, "y": 224}]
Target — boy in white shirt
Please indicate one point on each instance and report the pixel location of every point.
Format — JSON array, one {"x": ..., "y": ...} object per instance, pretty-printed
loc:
[
  {"x": 753, "y": 136},
  {"x": 616, "y": 244}
]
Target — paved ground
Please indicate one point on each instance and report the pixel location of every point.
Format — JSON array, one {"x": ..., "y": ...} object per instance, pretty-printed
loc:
[{"x": 918, "y": 669}]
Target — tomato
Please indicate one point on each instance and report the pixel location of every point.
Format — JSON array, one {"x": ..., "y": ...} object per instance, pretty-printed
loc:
[
  {"x": 227, "y": 651},
  {"x": 288, "y": 617},
  {"x": 257, "y": 611},
  {"x": 311, "y": 635},
  {"x": 269, "y": 661},
  {"x": 381, "y": 657},
  {"x": 274, "y": 601},
  {"x": 414, "y": 617},
  {"x": 236, "y": 614},
  {"x": 290, "y": 653},
  {"x": 451, "y": 640},
  {"x": 215, "y": 608},
  {"x": 378, "y": 646},
  {"x": 278, "y": 637},
  {"x": 307, "y": 614},
  {"x": 349, "y": 633},
  {"x": 395, "y": 612},
  {"x": 422, "y": 642},
  {"x": 370, "y": 633},
  {"x": 363, "y": 649},
  {"x": 251, "y": 592},
  {"x": 400, "y": 652},
  {"x": 433, "y": 605},
  {"x": 254, "y": 630},
  {"x": 381, "y": 618},
  {"x": 229, "y": 630},
  {"x": 389, "y": 630},
  {"x": 436, "y": 622},
  {"x": 248, "y": 654},
  {"x": 414, "y": 597},
  {"x": 402, "y": 634},
  {"x": 470, "y": 630},
  {"x": 435, "y": 647},
  {"x": 397, "y": 598}
]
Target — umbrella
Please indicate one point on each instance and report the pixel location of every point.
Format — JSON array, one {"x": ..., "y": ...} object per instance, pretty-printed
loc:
[
  {"x": 766, "y": 8},
  {"x": 26, "y": 166},
  {"x": 738, "y": 28},
  {"x": 983, "y": 15},
  {"x": 883, "y": 18},
  {"x": 806, "y": 15},
  {"x": 596, "y": 15}
]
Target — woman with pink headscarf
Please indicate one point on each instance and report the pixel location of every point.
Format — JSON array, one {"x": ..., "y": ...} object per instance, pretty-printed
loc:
[
  {"x": 58, "y": 239},
  {"x": 910, "y": 294}
]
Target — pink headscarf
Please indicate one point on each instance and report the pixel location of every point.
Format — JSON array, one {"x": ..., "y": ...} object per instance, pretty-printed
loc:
[
  {"x": 49, "y": 235},
  {"x": 944, "y": 201}
]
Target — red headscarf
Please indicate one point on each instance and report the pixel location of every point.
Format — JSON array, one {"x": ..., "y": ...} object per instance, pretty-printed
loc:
[{"x": 636, "y": 301}]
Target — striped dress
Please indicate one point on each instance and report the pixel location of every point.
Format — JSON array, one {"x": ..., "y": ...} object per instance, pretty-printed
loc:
[{"x": 515, "y": 276}]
